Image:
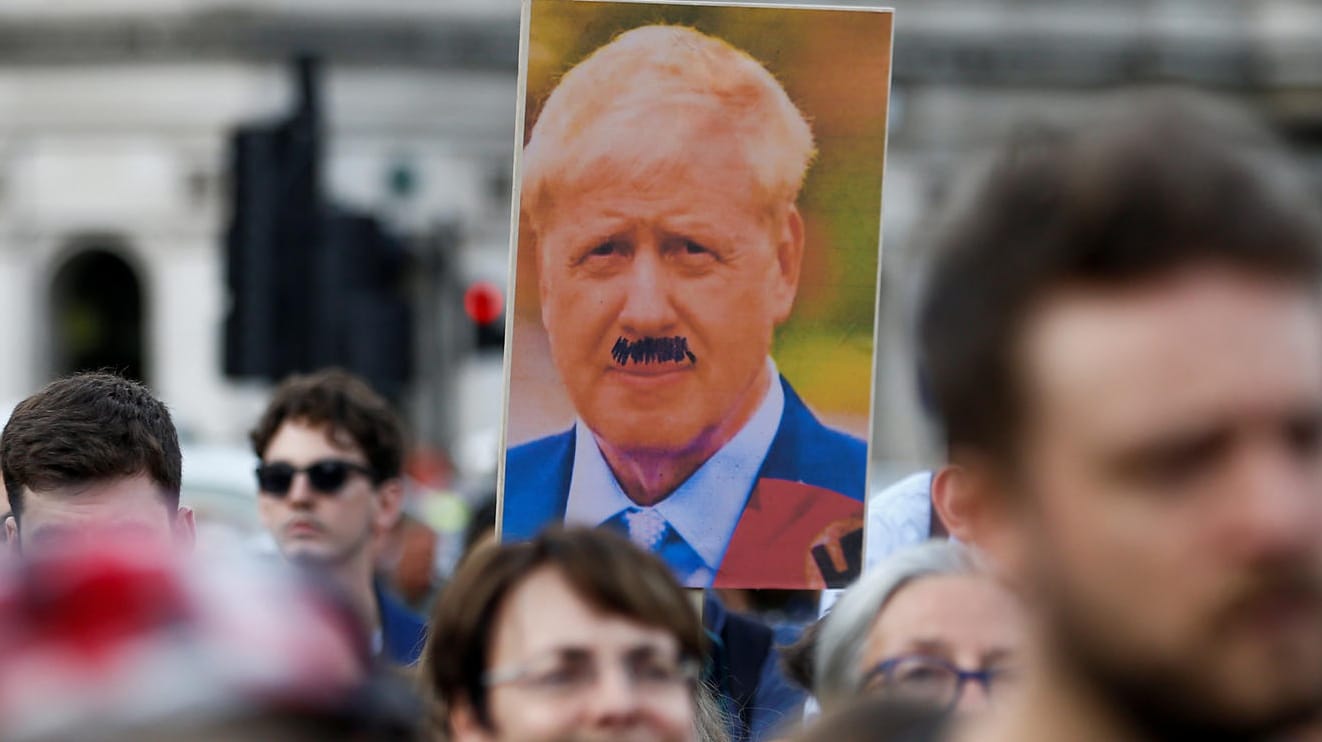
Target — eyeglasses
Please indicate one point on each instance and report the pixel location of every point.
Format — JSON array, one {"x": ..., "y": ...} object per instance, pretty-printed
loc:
[
  {"x": 569, "y": 674},
  {"x": 326, "y": 476},
  {"x": 931, "y": 680}
]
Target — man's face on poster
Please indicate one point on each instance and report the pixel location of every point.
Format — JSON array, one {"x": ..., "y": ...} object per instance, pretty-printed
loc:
[{"x": 661, "y": 288}]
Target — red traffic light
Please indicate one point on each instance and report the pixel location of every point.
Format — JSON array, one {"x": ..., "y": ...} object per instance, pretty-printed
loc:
[{"x": 483, "y": 302}]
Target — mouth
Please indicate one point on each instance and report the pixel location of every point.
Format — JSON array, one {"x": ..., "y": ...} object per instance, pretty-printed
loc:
[
  {"x": 302, "y": 528},
  {"x": 1280, "y": 610},
  {"x": 651, "y": 370}
]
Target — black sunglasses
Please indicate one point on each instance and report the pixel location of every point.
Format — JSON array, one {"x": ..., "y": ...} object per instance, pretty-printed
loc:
[{"x": 326, "y": 476}]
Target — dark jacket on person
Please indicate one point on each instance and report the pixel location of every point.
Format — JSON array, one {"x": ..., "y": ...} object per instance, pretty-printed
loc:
[{"x": 403, "y": 632}]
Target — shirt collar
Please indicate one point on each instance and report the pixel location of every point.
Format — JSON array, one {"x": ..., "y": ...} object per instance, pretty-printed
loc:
[{"x": 704, "y": 521}]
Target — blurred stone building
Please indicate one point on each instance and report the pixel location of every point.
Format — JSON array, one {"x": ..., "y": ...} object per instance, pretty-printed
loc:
[
  {"x": 115, "y": 117},
  {"x": 967, "y": 71},
  {"x": 115, "y": 122}
]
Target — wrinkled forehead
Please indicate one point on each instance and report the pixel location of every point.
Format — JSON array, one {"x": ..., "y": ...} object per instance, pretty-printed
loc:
[{"x": 649, "y": 150}]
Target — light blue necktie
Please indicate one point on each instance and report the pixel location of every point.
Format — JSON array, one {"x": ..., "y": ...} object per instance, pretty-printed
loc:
[{"x": 652, "y": 532}]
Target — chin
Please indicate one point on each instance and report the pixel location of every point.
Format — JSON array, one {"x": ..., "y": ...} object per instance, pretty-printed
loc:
[
  {"x": 651, "y": 442},
  {"x": 303, "y": 555}
]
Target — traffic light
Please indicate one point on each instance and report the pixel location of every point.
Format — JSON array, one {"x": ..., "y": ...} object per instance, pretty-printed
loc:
[
  {"x": 364, "y": 319},
  {"x": 484, "y": 303},
  {"x": 310, "y": 285},
  {"x": 272, "y": 238}
]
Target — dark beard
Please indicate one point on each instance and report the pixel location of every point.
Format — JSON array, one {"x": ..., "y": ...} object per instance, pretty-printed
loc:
[{"x": 1155, "y": 699}]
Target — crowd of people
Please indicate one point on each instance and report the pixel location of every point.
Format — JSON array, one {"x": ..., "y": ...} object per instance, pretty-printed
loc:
[{"x": 1121, "y": 342}]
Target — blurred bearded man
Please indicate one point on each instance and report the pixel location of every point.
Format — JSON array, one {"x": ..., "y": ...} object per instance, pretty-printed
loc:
[{"x": 1123, "y": 336}]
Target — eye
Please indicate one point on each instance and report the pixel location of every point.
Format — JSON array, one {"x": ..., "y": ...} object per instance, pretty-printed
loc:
[
  {"x": 655, "y": 671},
  {"x": 558, "y": 676},
  {"x": 565, "y": 673},
  {"x": 1174, "y": 466},
  {"x": 604, "y": 257},
  {"x": 605, "y": 249},
  {"x": 922, "y": 674},
  {"x": 691, "y": 253},
  {"x": 1305, "y": 435},
  {"x": 1002, "y": 674}
]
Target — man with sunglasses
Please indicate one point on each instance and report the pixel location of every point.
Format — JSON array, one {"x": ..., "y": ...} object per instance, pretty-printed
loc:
[{"x": 331, "y": 453}]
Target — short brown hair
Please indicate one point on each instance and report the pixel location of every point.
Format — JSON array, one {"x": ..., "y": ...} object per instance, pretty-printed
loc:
[
  {"x": 347, "y": 406},
  {"x": 605, "y": 570},
  {"x": 1159, "y": 183},
  {"x": 88, "y": 427}
]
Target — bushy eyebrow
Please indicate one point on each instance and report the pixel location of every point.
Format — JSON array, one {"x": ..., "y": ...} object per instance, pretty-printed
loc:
[
  {"x": 929, "y": 646},
  {"x": 578, "y": 653},
  {"x": 996, "y": 656}
]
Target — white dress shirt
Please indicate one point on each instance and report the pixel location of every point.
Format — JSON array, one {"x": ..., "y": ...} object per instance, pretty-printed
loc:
[
  {"x": 705, "y": 509},
  {"x": 898, "y": 516}
]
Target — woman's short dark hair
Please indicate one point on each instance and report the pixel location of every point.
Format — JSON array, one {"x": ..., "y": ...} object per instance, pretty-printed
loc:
[{"x": 604, "y": 569}]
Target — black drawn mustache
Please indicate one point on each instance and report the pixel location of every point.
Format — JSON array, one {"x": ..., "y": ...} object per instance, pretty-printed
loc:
[{"x": 653, "y": 350}]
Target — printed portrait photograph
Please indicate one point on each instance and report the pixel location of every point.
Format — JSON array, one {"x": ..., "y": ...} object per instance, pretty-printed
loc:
[{"x": 698, "y": 194}]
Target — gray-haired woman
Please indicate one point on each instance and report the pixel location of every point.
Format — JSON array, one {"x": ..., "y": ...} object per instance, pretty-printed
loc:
[{"x": 927, "y": 624}]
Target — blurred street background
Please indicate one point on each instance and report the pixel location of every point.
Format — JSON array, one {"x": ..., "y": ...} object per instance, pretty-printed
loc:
[{"x": 154, "y": 154}]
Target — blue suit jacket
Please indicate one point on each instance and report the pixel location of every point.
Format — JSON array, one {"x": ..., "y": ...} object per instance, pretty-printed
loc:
[{"x": 802, "y": 526}]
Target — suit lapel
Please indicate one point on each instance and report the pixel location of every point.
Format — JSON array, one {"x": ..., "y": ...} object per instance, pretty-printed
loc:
[
  {"x": 536, "y": 485},
  {"x": 795, "y": 534}
]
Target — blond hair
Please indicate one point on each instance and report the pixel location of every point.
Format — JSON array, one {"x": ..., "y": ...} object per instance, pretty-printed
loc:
[{"x": 663, "y": 87}]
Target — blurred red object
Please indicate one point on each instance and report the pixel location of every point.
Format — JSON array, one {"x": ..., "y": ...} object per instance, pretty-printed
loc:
[
  {"x": 90, "y": 604},
  {"x": 483, "y": 302},
  {"x": 97, "y": 634},
  {"x": 431, "y": 468}
]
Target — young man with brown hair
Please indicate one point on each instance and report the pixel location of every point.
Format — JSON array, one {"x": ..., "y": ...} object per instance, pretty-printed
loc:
[
  {"x": 90, "y": 455},
  {"x": 1123, "y": 337},
  {"x": 330, "y": 485},
  {"x": 576, "y": 634}
]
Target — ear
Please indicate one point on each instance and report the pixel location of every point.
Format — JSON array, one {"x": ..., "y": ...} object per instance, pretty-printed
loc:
[
  {"x": 789, "y": 263},
  {"x": 952, "y": 502},
  {"x": 185, "y": 529},
  {"x": 977, "y": 497},
  {"x": 530, "y": 258},
  {"x": 11, "y": 536},
  {"x": 389, "y": 504},
  {"x": 464, "y": 726}
]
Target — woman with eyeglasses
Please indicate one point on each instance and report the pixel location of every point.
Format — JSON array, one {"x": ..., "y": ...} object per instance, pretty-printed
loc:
[{"x": 925, "y": 626}]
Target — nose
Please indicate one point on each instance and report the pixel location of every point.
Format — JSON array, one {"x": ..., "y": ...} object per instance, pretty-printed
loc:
[
  {"x": 1279, "y": 507},
  {"x": 614, "y": 703},
  {"x": 300, "y": 491},
  {"x": 648, "y": 309},
  {"x": 973, "y": 698}
]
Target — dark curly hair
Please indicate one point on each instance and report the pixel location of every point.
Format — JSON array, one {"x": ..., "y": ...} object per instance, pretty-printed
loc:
[{"x": 344, "y": 403}]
